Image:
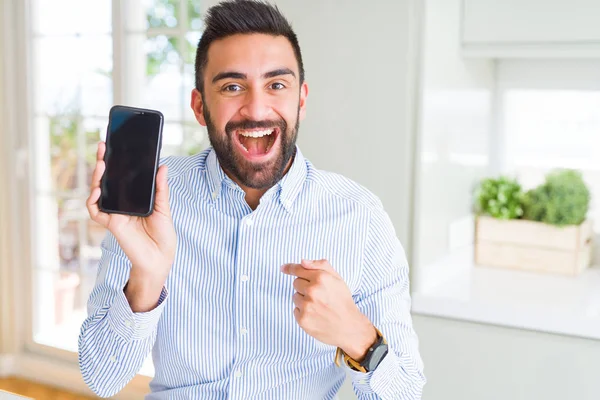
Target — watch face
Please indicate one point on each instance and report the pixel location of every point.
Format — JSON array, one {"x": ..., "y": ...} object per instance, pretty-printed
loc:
[{"x": 378, "y": 354}]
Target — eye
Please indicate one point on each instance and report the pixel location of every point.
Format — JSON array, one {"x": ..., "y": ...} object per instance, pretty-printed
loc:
[
  {"x": 232, "y": 88},
  {"x": 277, "y": 86}
]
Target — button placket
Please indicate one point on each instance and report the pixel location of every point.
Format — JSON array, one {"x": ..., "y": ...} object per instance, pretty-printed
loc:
[{"x": 246, "y": 237}]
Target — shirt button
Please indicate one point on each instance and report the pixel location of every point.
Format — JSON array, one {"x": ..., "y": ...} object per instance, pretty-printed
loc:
[
  {"x": 244, "y": 331},
  {"x": 214, "y": 195},
  {"x": 113, "y": 359},
  {"x": 238, "y": 374},
  {"x": 249, "y": 222},
  {"x": 245, "y": 278},
  {"x": 128, "y": 323}
]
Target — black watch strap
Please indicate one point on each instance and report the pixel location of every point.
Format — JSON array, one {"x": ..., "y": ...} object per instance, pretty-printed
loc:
[
  {"x": 373, "y": 358},
  {"x": 375, "y": 355}
]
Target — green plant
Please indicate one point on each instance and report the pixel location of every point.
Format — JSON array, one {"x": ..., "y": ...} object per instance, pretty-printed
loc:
[
  {"x": 563, "y": 199},
  {"x": 499, "y": 198}
]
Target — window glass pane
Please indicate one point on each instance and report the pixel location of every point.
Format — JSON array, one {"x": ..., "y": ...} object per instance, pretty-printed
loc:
[
  {"x": 154, "y": 78},
  {"x": 189, "y": 83},
  {"x": 61, "y": 166},
  {"x": 191, "y": 44},
  {"x": 73, "y": 74},
  {"x": 553, "y": 127},
  {"x": 195, "y": 139},
  {"x": 172, "y": 140},
  {"x": 65, "y": 270},
  {"x": 60, "y": 17},
  {"x": 162, "y": 13},
  {"x": 70, "y": 213},
  {"x": 57, "y": 159},
  {"x": 195, "y": 22},
  {"x": 549, "y": 129},
  {"x": 58, "y": 313},
  {"x": 95, "y": 131}
]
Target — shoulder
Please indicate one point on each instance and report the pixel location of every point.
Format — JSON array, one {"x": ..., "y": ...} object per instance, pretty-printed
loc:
[
  {"x": 180, "y": 166},
  {"x": 341, "y": 188}
]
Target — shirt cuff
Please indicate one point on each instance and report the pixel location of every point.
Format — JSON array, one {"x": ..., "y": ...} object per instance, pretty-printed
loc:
[
  {"x": 380, "y": 381},
  {"x": 134, "y": 326}
]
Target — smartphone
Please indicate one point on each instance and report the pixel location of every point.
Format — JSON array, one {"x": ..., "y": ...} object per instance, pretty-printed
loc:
[{"x": 133, "y": 142}]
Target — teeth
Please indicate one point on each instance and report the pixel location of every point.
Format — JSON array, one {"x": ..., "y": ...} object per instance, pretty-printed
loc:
[{"x": 256, "y": 134}]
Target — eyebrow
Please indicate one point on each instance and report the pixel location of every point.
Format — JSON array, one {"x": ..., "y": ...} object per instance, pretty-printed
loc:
[{"x": 239, "y": 75}]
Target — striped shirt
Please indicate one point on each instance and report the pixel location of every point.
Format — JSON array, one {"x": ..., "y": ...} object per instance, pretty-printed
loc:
[{"x": 224, "y": 327}]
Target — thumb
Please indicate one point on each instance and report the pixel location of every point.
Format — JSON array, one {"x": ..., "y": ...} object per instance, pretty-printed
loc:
[{"x": 162, "y": 190}]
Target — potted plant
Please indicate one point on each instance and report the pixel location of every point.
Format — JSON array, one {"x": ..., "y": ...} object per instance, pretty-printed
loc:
[{"x": 544, "y": 229}]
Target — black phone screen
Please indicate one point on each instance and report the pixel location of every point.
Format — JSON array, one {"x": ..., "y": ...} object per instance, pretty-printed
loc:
[{"x": 131, "y": 157}]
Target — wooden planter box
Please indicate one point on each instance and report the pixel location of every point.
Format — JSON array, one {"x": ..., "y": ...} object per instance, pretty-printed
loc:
[{"x": 533, "y": 246}]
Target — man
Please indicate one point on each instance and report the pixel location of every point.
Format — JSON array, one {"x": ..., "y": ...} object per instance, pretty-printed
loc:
[{"x": 257, "y": 276}]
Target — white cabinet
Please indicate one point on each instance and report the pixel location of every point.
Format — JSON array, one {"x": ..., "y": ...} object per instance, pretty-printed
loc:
[{"x": 531, "y": 28}]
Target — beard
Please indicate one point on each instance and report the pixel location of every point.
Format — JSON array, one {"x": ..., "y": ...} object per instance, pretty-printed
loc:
[{"x": 253, "y": 175}]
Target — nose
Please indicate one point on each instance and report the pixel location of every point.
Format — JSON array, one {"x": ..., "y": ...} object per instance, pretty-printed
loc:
[{"x": 256, "y": 106}]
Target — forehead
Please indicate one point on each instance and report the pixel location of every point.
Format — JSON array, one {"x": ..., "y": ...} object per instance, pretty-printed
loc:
[{"x": 251, "y": 54}]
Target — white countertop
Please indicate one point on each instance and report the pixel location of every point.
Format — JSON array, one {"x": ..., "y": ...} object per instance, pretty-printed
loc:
[{"x": 455, "y": 288}]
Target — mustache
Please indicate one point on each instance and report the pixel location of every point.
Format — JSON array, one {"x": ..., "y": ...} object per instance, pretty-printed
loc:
[{"x": 249, "y": 124}]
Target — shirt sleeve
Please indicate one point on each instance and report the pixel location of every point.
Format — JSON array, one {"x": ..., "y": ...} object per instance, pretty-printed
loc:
[
  {"x": 385, "y": 300},
  {"x": 114, "y": 341}
]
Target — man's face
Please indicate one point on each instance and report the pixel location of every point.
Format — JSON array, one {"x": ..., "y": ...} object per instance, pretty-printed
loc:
[{"x": 253, "y": 103}]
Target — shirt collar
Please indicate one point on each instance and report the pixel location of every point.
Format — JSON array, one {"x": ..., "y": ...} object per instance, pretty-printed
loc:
[
  {"x": 289, "y": 186},
  {"x": 292, "y": 182},
  {"x": 216, "y": 176}
]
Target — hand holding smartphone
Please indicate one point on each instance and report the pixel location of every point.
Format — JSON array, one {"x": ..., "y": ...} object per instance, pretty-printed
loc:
[{"x": 139, "y": 219}]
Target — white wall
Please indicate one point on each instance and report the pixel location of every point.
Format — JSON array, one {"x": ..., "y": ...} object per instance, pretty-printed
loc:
[
  {"x": 358, "y": 59},
  {"x": 465, "y": 361},
  {"x": 455, "y": 123}
]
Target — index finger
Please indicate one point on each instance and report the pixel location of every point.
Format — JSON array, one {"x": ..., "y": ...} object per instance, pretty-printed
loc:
[{"x": 298, "y": 270}]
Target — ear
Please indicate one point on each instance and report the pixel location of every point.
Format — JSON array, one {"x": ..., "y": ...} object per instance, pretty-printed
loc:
[
  {"x": 197, "y": 105},
  {"x": 303, "y": 96}
]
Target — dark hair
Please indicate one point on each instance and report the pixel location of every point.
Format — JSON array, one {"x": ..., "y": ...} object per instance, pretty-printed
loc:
[{"x": 242, "y": 17}]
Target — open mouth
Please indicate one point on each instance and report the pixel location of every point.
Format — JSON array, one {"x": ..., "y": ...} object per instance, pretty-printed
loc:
[{"x": 257, "y": 142}]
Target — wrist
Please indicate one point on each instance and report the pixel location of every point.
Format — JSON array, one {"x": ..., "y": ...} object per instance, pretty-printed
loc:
[
  {"x": 142, "y": 294},
  {"x": 363, "y": 337}
]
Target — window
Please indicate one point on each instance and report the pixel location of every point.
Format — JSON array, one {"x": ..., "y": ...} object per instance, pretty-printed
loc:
[
  {"x": 548, "y": 129},
  {"x": 141, "y": 53},
  {"x": 549, "y": 119}
]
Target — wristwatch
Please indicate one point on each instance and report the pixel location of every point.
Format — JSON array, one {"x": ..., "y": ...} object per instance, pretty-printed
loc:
[{"x": 373, "y": 358}]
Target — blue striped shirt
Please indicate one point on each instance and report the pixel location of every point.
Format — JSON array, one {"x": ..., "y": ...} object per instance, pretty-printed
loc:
[{"x": 224, "y": 327}]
